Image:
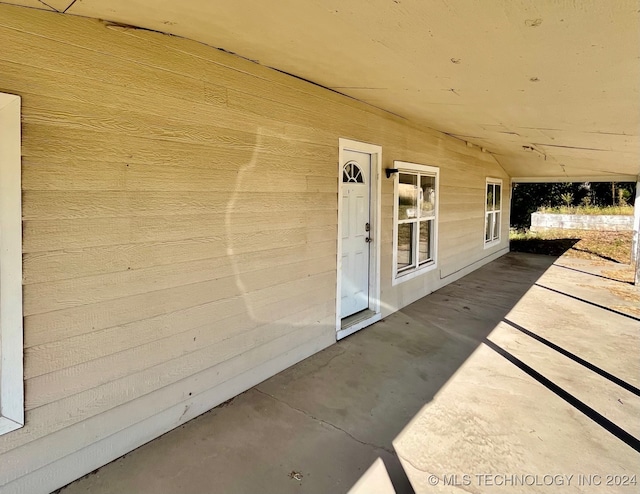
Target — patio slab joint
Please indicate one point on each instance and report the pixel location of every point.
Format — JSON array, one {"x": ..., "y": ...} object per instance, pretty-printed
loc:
[{"x": 333, "y": 426}]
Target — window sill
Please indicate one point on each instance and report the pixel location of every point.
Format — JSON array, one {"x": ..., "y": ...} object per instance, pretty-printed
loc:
[
  {"x": 8, "y": 425},
  {"x": 413, "y": 274},
  {"x": 493, "y": 243}
]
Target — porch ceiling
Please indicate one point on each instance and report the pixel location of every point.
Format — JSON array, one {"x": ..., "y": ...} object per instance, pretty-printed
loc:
[{"x": 549, "y": 87}]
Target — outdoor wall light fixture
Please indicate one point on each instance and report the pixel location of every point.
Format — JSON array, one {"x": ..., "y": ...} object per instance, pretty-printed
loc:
[{"x": 390, "y": 171}]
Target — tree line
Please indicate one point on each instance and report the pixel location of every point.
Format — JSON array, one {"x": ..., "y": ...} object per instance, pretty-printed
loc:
[{"x": 528, "y": 198}]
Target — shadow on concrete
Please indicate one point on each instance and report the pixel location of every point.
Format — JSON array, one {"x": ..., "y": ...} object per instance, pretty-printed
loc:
[
  {"x": 598, "y": 418},
  {"x": 593, "y": 368},
  {"x": 599, "y": 306}
]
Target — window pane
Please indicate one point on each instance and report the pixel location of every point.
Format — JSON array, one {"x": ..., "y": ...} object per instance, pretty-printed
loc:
[
  {"x": 496, "y": 226},
  {"x": 405, "y": 245},
  {"x": 424, "y": 253},
  {"x": 489, "y": 197},
  {"x": 489, "y": 227},
  {"x": 428, "y": 195},
  {"x": 498, "y": 196},
  {"x": 407, "y": 196}
]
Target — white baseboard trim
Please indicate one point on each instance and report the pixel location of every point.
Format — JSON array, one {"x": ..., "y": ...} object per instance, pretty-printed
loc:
[{"x": 456, "y": 275}]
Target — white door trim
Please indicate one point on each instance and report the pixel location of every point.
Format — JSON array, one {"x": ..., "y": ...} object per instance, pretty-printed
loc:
[{"x": 374, "y": 259}]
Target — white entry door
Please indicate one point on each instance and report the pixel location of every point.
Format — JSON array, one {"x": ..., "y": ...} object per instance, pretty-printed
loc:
[{"x": 356, "y": 229}]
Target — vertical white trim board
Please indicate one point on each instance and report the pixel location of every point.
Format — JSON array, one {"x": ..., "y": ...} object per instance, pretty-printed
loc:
[{"x": 11, "y": 338}]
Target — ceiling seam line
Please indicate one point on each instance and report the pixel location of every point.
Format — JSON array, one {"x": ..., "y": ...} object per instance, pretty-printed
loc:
[{"x": 69, "y": 6}]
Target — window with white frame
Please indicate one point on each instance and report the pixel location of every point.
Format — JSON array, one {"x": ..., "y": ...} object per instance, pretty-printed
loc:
[
  {"x": 493, "y": 211},
  {"x": 415, "y": 220},
  {"x": 11, "y": 372}
]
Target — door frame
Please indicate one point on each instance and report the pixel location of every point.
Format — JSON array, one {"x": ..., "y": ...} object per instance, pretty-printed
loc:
[{"x": 374, "y": 254}]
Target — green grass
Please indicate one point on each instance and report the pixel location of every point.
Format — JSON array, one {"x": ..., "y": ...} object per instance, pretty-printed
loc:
[{"x": 589, "y": 210}]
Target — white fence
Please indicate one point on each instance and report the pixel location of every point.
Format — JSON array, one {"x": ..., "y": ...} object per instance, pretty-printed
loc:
[{"x": 545, "y": 221}]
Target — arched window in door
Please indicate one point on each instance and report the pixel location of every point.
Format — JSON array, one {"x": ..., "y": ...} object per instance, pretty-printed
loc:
[{"x": 352, "y": 173}]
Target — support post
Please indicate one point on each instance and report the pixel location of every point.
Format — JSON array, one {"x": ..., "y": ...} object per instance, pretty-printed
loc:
[{"x": 635, "y": 246}]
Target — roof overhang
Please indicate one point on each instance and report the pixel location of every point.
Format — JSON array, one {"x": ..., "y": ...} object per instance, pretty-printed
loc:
[{"x": 549, "y": 87}]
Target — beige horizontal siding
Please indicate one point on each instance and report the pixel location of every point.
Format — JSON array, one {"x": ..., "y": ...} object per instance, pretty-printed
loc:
[
  {"x": 59, "y": 355},
  {"x": 119, "y": 356},
  {"x": 53, "y": 235},
  {"x": 107, "y": 204},
  {"x": 179, "y": 230},
  {"x": 81, "y": 262},
  {"x": 68, "y": 323},
  {"x": 136, "y": 177}
]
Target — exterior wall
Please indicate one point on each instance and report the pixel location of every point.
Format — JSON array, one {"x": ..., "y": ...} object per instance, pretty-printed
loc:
[
  {"x": 548, "y": 221},
  {"x": 179, "y": 230}
]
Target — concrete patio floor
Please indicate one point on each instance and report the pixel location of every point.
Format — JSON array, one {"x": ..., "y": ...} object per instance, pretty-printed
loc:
[{"x": 521, "y": 370}]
